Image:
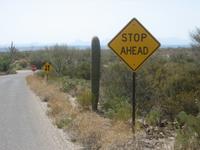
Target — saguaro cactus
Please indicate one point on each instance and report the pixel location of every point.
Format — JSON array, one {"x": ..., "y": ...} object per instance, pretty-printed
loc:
[
  {"x": 95, "y": 72},
  {"x": 13, "y": 52}
]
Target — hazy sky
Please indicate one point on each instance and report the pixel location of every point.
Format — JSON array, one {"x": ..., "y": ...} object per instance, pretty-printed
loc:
[{"x": 70, "y": 21}]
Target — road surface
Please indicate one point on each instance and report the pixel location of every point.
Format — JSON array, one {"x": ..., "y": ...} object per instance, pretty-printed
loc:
[{"x": 23, "y": 122}]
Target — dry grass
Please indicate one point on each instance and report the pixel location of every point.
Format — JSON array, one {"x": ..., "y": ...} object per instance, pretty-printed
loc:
[
  {"x": 57, "y": 101},
  {"x": 92, "y": 130}
]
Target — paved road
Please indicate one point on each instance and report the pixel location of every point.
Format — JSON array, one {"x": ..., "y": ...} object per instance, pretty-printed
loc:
[{"x": 23, "y": 123}]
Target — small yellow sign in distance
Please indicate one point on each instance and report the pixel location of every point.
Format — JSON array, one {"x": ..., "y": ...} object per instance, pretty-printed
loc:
[
  {"x": 134, "y": 44},
  {"x": 47, "y": 67}
]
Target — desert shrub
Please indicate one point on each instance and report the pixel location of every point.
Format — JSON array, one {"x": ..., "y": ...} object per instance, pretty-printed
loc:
[
  {"x": 23, "y": 63},
  {"x": 12, "y": 69},
  {"x": 168, "y": 83},
  {"x": 188, "y": 134},
  {"x": 150, "y": 82},
  {"x": 84, "y": 98},
  {"x": 70, "y": 62},
  {"x": 68, "y": 84},
  {"x": 5, "y": 63},
  {"x": 73, "y": 85},
  {"x": 181, "y": 90},
  {"x": 20, "y": 64},
  {"x": 63, "y": 122},
  {"x": 58, "y": 56},
  {"x": 181, "y": 118},
  {"x": 83, "y": 71},
  {"x": 18, "y": 67},
  {"x": 154, "y": 117},
  {"x": 117, "y": 108},
  {"x": 115, "y": 81},
  {"x": 41, "y": 74},
  {"x": 123, "y": 111},
  {"x": 38, "y": 58}
]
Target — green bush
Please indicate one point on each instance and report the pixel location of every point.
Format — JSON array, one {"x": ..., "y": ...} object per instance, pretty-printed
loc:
[
  {"x": 123, "y": 111},
  {"x": 188, "y": 134},
  {"x": 154, "y": 117},
  {"x": 41, "y": 74},
  {"x": 116, "y": 91},
  {"x": 73, "y": 85},
  {"x": 117, "y": 108},
  {"x": 83, "y": 71},
  {"x": 116, "y": 81},
  {"x": 20, "y": 64},
  {"x": 38, "y": 58},
  {"x": 11, "y": 71},
  {"x": 68, "y": 84},
  {"x": 5, "y": 63},
  {"x": 70, "y": 62},
  {"x": 182, "y": 118},
  {"x": 18, "y": 67},
  {"x": 23, "y": 63}
]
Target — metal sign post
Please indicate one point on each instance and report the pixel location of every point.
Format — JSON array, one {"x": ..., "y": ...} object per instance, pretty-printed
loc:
[
  {"x": 47, "y": 68},
  {"x": 133, "y": 101}
]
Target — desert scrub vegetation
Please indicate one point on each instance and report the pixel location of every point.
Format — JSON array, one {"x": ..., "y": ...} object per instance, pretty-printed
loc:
[
  {"x": 168, "y": 81},
  {"x": 188, "y": 132},
  {"x": 167, "y": 84},
  {"x": 4, "y": 63},
  {"x": 83, "y": 125},
  {"x": 73, "y": 86},
  {"x": 12, "y": 59},
  {"x": 84, "y": 98}
]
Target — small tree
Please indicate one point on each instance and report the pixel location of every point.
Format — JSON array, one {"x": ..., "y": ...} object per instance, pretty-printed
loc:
[{"x": 59, "y": 58}]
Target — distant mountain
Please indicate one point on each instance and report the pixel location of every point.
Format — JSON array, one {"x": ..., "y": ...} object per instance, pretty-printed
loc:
[
  {"x": 3, "y": 49},
  {"x": 23, "y": 48},
  {"x": 165, "y": 42},
  {"x": 174, "y": 42}
]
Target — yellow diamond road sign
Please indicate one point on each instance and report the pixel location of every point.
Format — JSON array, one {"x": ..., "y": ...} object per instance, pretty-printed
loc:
[{"x": 134, "y": 44}]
